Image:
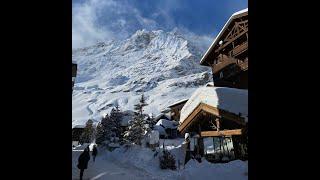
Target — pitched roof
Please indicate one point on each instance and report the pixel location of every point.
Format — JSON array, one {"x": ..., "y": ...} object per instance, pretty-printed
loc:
[
  {"x": 215, "y": 41},
  {"x": 178, "y": 102},
  {"x": 228, "y": 99}
]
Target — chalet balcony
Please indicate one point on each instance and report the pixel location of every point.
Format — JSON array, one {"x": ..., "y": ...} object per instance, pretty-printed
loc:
[
  {"x": 222, "y": 62},
  {"x": 239, "y": 49}
]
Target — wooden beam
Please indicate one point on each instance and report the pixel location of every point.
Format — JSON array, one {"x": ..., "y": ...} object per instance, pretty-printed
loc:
[
  {"x": 212, "y": 110},
  {"x": 233, "y": 132},
  {"x": 187, "y": 121},
  {"x": 222, "y": 113},
  {"x": 230, "y": 41}
]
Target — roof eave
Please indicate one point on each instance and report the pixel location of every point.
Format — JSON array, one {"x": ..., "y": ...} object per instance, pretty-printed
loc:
[{"x": 203, "y": 59}]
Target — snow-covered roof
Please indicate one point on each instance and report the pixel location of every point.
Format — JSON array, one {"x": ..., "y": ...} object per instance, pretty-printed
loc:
[
  {"x": 167, "y": 123},
  {"x": 161, "y": 116},
  {"x": 79, "y": 126},
  {"x": 233, "y": 16},
  {"x": 228, "y": 99},
  {"x": 209, "y": 84},
  {"x": 178, "y": 102},
  {"x": 160, "y": 129},
  {"x": 165, "y": 110}
]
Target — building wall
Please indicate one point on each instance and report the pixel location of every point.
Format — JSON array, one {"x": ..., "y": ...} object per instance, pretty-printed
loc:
[{"x": 175, "y": 112}]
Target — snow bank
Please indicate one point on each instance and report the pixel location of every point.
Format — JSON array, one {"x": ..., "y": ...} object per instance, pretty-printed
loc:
[
  {"x": 229, "y": 99},
  {"x": 147, "y": 161},
  {"x": 205, "y": 170}
]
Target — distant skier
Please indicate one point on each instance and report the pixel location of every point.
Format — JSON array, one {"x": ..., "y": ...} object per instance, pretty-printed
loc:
[
  {"x": 83, "y": 161},
  {"x": 94, "y": 152}
]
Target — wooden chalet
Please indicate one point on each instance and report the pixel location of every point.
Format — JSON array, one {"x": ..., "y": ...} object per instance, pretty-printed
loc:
[
  {"x": 74, "y": 73},
  {"x": 175, "y": 109},
  {"x": 76, "y": 133},
  {"x": 217, "y": 119},
  {"x": 228, "y": 54}
]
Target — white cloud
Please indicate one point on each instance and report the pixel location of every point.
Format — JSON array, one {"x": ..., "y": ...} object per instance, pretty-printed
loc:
[
  {"x": 102, "y": 20},
  {"x": 85, "y": 28}
]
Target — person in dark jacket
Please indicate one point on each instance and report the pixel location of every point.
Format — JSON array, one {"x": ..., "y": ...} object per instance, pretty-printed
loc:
[
  {"x": 83, "y": 161},
  {"x": 94, "y": 152}
]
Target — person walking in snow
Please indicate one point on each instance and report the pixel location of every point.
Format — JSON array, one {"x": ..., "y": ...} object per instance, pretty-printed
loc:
[
  {"x": 83, "y": 161},
  {"x": 94, "y": 152}
]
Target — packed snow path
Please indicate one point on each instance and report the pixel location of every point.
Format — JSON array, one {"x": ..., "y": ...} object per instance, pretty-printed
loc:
[
  {"x": 139, "y": 163},
  {"x": 106, "y": 169}
]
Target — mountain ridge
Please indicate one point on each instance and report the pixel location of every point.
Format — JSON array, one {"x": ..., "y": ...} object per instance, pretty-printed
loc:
[{"x": 164, "y": 66}]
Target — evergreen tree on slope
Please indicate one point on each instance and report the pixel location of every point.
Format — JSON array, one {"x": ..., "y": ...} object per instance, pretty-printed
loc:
[
  {"x": 136, "y": 129},
  {"x": 88, "y": 133},
  {"x": 116, "y": 118}
]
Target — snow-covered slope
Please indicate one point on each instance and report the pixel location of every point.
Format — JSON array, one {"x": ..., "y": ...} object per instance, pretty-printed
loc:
[{"x": 164, "y": 66}]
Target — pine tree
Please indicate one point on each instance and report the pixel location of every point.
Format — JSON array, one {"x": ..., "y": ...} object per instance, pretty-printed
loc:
[
  {"x": 100, "y": 135},
  {"x": 108, "y": 128},
  {"x": 136, "y": 129},
  {"x": 116, "y": 118},
  {"x": 88, "y": 132}
]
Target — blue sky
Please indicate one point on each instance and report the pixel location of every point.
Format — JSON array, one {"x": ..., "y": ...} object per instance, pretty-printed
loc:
[{"x": 100, "y": 20}]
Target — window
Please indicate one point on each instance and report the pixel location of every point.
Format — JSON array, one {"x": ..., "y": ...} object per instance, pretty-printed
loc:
[{"x": 221, "y": 74}]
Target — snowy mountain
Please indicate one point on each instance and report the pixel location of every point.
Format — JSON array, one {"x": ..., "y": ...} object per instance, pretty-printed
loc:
[{"x": 164, "y": 66}]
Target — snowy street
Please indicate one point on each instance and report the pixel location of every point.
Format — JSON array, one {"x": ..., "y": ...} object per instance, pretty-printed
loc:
[
  {"x": 140, "y": 163},
  {"x": 106, "y": 169}
]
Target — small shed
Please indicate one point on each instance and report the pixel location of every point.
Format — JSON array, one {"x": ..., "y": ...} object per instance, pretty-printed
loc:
[
  {"x": 175, "y": 109},
  {"x": 161, "y": 116},
  {"x": 167, "y": 128},
  {"x": 77, "y": 130}
]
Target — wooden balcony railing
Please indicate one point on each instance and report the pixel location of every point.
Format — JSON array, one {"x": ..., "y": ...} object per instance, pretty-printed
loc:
[
  {"x": 239, "y": 49},
  {"x": 224, "y": 61}
]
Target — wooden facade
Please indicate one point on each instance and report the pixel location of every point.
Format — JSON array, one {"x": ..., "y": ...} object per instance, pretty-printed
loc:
[
  {"x": 207, "y": 121},
  {"x": 175, "y": 109},
  {"x": 228, "y": 54},
  {"x": 228, "y": 58}
]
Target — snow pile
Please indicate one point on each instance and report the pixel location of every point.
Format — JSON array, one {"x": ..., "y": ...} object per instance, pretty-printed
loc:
[
  {"x": 153, "y": 137},
  {"x": 137, "y": 157},
  {"x": 162, "y": 65},
  {"x": 148, "y": 162},
  {"x": 229, "y": 99},
  {"x": 230, "y": 171}
]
